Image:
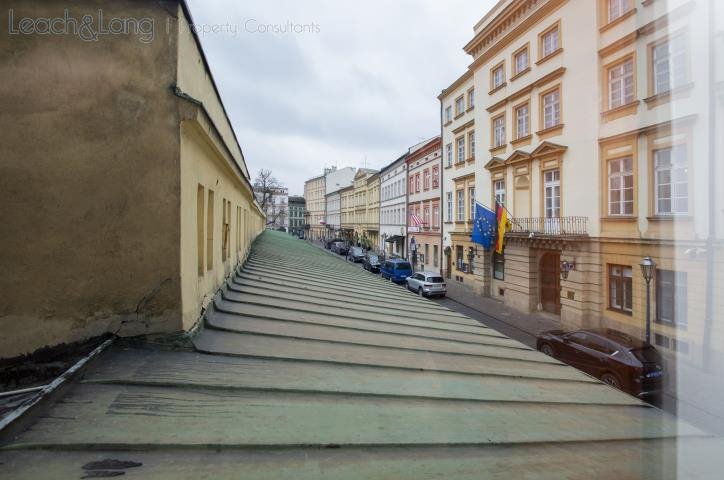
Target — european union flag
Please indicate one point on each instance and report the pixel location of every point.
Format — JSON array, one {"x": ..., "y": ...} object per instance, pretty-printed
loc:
[{"x": 484, "y": 226}]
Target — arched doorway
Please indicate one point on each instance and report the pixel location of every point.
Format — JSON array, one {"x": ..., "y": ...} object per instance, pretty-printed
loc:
[{"x": 550, "y": 282}]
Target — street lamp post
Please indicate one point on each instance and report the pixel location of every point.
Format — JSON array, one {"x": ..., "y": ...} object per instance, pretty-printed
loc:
[
  {"x": 413, "y": 251},
  {"x": 648, "y": 266}
]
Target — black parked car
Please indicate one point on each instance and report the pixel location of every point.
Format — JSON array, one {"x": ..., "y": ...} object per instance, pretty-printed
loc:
[
  {"x": 618, "y": 359},
  {"x": 340, "y": 248},
  {"x": 371, "y": 263},
  {"x": 356, "y": 254},
  {"x": 328, "y": 243}
]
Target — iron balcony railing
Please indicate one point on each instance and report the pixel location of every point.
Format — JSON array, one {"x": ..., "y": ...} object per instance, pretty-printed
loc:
[{"x": 554, "y": 226}]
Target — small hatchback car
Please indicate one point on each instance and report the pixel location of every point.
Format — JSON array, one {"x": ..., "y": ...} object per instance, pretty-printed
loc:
[
  {"x": 622, "y": 361},
  {"x": 427, "y": 284}
]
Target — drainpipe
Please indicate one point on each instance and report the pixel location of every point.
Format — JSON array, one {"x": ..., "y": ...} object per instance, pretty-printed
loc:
[{"x": 442, "y": 191}]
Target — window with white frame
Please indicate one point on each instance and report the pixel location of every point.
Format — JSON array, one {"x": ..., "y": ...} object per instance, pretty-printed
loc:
[
  {"x": 522, "y": 121},
  {"x": 521, "y": 61},
  {"x": 552, "y": 193},
  {"x": 448, "y": 154},
  {"x": 461, "y": 149},
  {"x": 460, "y": 205},
  {"x": 499, "y": 189},
  {"x": 448, "y": 114},
  {"x": 471, "y": 98},
  {"x": 670, "y": 68},
  {"x": 621, "y": 84},
  {"x": 498, "y": 76},
  {"x": 550, "y": 42},
  {"x": 617, "y": 8},
  {"x": 671, "y": 181},
  {"x": 671, "y": 297},
  {"x": 499, "y": 131},
  {"x": 436, "y": 216},
  {"x": 426, "y": 179},
  {"x": 471, "y": 195},
  {"x": 551, "y": 109},
  {"x": 426, "y": 216},
  {"x": 471, "y": 144},
  {"x": 449, "y": 200},
  {"x": 459, "y": 105},
  {"x": 620, "y": 186},
  {"x": 435, "y": 177}
]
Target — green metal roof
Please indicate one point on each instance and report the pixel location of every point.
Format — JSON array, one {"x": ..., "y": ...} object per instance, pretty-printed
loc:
[{"x": 308, "y": 367}]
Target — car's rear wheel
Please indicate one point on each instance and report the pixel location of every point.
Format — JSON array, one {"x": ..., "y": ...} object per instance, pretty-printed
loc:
[
  {"x": 611, "y": 379},
  {"x": 547, "y": 349}
]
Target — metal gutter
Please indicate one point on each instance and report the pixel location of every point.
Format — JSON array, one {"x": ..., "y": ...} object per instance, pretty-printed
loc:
[{"x": 52, "y": 386}]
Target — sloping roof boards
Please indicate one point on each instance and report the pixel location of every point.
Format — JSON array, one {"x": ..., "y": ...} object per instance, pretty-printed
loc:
[{"x": 310, "y": 368}]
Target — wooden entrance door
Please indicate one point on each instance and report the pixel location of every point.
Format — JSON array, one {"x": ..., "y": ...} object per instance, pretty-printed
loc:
[{"x": 550, "y": 282}]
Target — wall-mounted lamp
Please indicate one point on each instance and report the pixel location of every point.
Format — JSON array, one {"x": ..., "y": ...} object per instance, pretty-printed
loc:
[{"x": 566, "y": 267}]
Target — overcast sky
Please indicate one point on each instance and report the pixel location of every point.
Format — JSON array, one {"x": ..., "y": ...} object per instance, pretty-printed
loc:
[{"x": 359, "y": 81}]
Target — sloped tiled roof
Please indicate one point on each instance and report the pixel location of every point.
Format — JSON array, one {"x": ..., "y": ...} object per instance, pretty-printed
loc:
[{"x": 307, "y": 367}]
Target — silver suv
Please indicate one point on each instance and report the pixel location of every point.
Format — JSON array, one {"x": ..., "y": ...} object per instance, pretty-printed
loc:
[{"x": 427, "y": 284}]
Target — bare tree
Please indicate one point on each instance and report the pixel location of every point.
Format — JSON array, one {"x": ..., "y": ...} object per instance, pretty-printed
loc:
[{"x": 265, "y": 185}]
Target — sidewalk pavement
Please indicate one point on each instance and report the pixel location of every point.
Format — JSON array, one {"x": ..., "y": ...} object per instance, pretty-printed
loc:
[{"x": 531, "y": 324}]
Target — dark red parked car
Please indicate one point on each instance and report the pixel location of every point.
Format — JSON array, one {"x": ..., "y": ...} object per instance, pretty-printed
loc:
[{"x": 616, "y": 358}]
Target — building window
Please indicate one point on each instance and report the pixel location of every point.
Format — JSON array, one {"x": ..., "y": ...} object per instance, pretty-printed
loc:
[
  {"x": 448, "y": 114},
  {"x": 617, "y": 8},
  {"x": 621, "y": 84},
  {"x": 426, "y": 216},
  {"x": 498, "y": 266},
  {"x": 620, "y": 186},
  {"x": 200, "y": 229},
  {"x": 671, "y": 297},
  {"x": 459, "y": 106},
  {"x": 471, "y": 195},
  {"x": 435, "y": 177},
  {"x": 550, "y": 42},
  {"x": 412, "y": 184},
  {"x": 551, "y": 109},
  {"x": 497, "y": 76},
  {"x": 671, "y": 178},
  {"x": 471, "y": 98},
  {"x": 522, "y": 121},
  {"x": 426, "y": 179},
  {"x": 552, "y": 192},
  {"x": 417, "y": 183},
  {"x": 500, "y": 192},
  {"x": 448, "y": 154},
  {"x": 461, "y": 149},
  {"x": 471, "y": 144},
  {"x": 669, "y": 64},
  {"x": 448, "y": 198},
  {"x": 459, "y": 257},
  {"x": 461, "y": 205},
  {"x": 499, "y": 131},
  {"x": 620, "y": 297},
  {"x": 435, "y": 216},
  {"x": 210, "y": 231},
  {"x": 521, "y": 60}
]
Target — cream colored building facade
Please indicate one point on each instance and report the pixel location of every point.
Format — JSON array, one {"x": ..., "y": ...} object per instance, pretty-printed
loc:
[
  {"x": 314, "y": 196},
  {"x": 372, "y": 212},
  {"x": 461, "y": 258},
  {"x": 363, "y": 186},
  {"x": 131, "y": 216},
  {"x": 592, "y": 129}
]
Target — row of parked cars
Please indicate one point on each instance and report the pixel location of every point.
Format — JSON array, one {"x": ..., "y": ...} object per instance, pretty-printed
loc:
[
  {"x": 397, "y": 270},
  {"x": 614, "y": 357}
]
